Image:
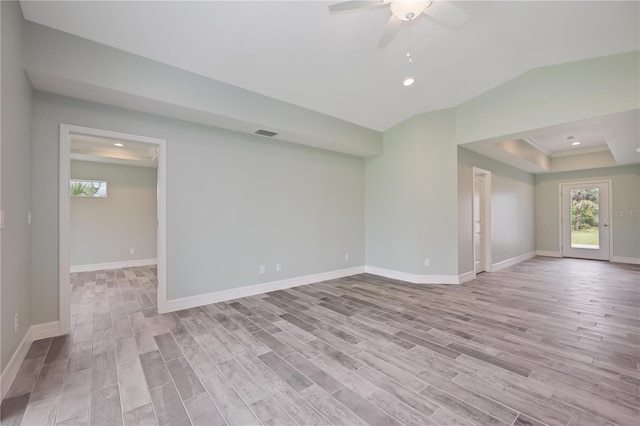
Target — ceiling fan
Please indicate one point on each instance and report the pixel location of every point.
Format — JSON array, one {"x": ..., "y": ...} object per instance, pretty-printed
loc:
[{"x": 404, "y": 11}]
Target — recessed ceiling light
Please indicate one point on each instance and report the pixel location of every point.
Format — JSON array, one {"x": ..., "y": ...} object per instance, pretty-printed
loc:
[
  {"x": 408, "y": 81},
  {"x": 118, "y": 144},
  {"x": 575, "y": 143}
]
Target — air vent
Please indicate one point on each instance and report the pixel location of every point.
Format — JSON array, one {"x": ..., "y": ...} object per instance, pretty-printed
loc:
[{"x": 262, "y": 132}]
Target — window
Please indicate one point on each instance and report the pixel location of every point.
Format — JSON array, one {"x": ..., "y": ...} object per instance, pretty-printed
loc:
[{"x": 87, "y": 188}]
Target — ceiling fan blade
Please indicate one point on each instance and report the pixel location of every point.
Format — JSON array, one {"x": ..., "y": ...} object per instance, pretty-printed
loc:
[
  {"x": 390, "y": 30},
  {"x": 347, "y": 6},
  {"x": 447, "y": 13}
]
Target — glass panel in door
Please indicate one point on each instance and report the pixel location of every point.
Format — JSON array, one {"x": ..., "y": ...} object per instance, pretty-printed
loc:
[{"x": 585, "y": 230}]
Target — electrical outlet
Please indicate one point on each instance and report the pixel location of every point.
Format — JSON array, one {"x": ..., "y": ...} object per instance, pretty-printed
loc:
[
  {"x": 15, "y": 323},
  {"x": 262, "y": 269},
  {"x": 278, "y": 267},
  {"x": 427, "y": 262},
  {"x": 132, "y": 251},
  {"x": 346, "y": 257}
]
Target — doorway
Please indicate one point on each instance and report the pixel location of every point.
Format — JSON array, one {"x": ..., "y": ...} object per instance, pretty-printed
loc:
[
  {"x": 585, "y": 221},
  {"x": 481, "y": 220},
  {"x": 66, "y": 132}
]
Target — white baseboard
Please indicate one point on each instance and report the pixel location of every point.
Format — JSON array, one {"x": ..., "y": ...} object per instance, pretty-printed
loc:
[
  {"x": 10, "y": 371},
  {"x": 510, "y": 262},
  {"x": 615, "y": 259},
  {"x": 35, "y": 332},
  {"x": 620, "y": 259},
  {"x": 113, "y": 265},
  {"x": 419, "y": 279},
  {"x": 46, "y": 330},
  {"x": 236, "y": 293},
  {"x": 252, "y": 290},
  {"x": 467, "y": 276},
  {"x": 547, "y": 253}
]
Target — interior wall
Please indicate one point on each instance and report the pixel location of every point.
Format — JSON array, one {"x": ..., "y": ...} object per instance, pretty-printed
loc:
[
  {"x": 411, "y": 199},
  {"x": 234, "y": 202},
  {"x": 16, "y": 184},
  {"x": 512, "y": 209},
  {"x": 103, "y": 230},
  {"x": 626, "y": 207}
]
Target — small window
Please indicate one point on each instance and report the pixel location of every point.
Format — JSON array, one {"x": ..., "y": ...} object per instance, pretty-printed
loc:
[{"x": 87, "y": 188}]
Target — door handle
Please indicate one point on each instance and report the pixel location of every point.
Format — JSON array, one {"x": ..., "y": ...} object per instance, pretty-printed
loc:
[{"x": 605, "y": 224}]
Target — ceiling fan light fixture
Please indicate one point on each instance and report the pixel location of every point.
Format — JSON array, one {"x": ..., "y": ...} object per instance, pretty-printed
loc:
[
  {"x": 407, "y": 10},
  {"x": 408, "y": 81}
]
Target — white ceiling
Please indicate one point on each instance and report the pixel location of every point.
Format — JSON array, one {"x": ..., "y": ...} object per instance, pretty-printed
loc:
[
  {"x": 103, "y": 150},
  {"x": 297, "y": 52},
  {"x": 617, "y": 136},
  {"x": 556, "y": 143}
]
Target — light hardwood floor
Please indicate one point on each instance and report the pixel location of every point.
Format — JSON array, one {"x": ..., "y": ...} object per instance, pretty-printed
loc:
[{"x": 547, "y": 341}]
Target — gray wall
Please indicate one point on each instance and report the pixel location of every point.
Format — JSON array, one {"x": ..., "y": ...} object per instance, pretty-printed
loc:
[
  {"x": 512, "y": 209},
  {"x": 411, "y": 198},
  {"x": 626, "y": 197},
  {"x": 102, "y": 230},
  {"x": 15, "y": 177},
  {"x": 233, "y": 202}
]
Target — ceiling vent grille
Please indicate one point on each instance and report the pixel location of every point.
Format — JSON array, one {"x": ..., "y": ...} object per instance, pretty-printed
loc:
[{"x": 262, "y": 132}]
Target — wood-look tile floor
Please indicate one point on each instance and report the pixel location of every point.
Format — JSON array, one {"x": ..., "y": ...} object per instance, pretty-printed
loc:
[{"x": 547, "y": 341}]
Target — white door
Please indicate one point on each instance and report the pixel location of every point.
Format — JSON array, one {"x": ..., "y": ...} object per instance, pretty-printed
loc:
[
  {"x": 586, "y": 224},
  {"x": 479, "y": 234}
]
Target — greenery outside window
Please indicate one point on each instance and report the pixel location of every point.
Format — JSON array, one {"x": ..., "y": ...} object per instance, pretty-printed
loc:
[{"x": 87, "y": 188}]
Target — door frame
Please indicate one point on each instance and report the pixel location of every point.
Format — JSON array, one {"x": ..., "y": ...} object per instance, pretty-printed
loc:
[
  {"x": 609, "y": 184},
  {"x": 486, "y": 188},
  {"x": 66, "y": 130}
]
